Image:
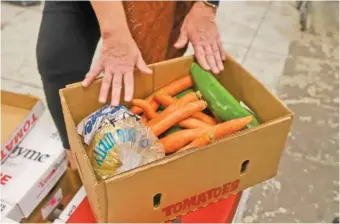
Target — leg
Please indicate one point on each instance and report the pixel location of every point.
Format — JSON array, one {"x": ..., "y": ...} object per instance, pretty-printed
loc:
[{"x": 67, "y": 40}]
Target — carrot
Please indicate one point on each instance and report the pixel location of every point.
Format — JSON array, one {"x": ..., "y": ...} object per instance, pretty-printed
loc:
[
  {"x": 198, "y": 142},
  {"x": 149, "y": 112},
  {"x": 172, "y": 88},
  {"x": 167, "y": 100},
  {"x": 138, "y": 110},
  {"x": 177, "y": 116},
  {"x": 190, "y": 97},
  {"x": 178, "y": 85},
  {"x": 177, "y": 140},
  {"x": 230, "y": 127},
  {"x": 219, "y": 131},
  {"x": 192, "y": 123},
  {"x": 144, "y": 120}
]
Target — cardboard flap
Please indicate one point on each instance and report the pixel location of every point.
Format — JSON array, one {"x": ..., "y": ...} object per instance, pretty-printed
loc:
[
  {"x": 78, "y": 97},
  {"x": 19, "y": 114},
  {"x": 246, "y": 88},
  {"x": 14, "y": 109},
  {"x": 164, "y": 73}
]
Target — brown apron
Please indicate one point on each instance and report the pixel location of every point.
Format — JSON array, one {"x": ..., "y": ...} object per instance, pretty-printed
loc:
[{"x": 155, "y": 26}]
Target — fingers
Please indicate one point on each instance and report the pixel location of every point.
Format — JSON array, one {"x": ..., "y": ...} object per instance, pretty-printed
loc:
[
  {"x": 217, "y": 55},
  {"x": 200, "y": 56},
  {"x": 129, "y": 86},
  {"x": 183, "y": 38},
  {"x": 92, "y": 74},
  {"x": 220, "y": 47},
  {"x": 116, "y": 88},
  {"x": 142, "y": 66},
  {"x": 209, "y": 55},
  {"x": 182, "y": 41},
  {"x": 106, "y": 84}
]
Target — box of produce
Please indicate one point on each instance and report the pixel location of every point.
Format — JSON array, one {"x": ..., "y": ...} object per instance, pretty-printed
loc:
[{"x": 187, "y": 140}]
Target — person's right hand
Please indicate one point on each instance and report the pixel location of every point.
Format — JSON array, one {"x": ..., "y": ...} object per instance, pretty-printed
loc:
[{"x": 118, "y": 57}]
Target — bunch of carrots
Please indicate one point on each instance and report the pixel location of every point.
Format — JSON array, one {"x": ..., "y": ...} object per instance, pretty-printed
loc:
[{"x": 199, "y": 129}]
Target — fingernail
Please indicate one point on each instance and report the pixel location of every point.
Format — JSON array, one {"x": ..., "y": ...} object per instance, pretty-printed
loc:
[
  {"x": 128, "y": 98},
  {"x": 102, "y": 99},
  {"x": 115, "y": 102},
  {"x": 83, "y": 83}
]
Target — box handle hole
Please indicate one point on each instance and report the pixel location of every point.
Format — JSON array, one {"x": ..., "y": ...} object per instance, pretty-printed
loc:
[
  {"x": 244, "y": 166},
  {"x": 157, "y": 200}
]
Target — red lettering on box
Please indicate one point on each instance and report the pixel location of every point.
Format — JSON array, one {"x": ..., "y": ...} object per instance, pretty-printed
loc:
[
  {"x": 235, "y": 185},
  {"x": 202, "y": 198},
  {"x": 190, "y": 201},
  {"x": 210, "y": 193},
  {"x": 4, "y": 178},
  {"x": 178, "y": 207},
  {"x": 226, "y": 188},
  {"x": 217, "y": 192},
  {"x": 167, "y": 210},
  {"x": 3, "y": 154}
]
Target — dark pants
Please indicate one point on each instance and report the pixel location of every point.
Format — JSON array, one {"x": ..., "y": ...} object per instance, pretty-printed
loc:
[{"x": 68, "y": 37}]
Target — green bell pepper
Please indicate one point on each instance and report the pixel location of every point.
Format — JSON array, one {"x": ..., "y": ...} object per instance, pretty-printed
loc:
[{"x": 220, "y": 102}]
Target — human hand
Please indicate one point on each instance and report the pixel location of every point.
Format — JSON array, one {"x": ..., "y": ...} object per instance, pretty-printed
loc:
[
  {"x": 118, "y": 57},
  {"x": 200, "y": 29}
]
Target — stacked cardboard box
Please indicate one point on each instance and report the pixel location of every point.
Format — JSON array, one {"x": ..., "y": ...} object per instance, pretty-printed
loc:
[{"x": 33, "y": 161}]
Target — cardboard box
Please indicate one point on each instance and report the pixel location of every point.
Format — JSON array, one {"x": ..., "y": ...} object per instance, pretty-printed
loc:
[
  {"x": 19, "y": 114},
  {"x": 7, "y": 220},
  {"x": 72, "y": 206},
  {"x": 32, "y": 169},
  {"x": 191, "y": 179},
  {"x": 59, "y": 197}
]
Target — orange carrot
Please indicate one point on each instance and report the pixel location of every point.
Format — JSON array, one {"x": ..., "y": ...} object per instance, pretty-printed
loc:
[
  {"x": 167, "y": 100},
  {"x": 190, "y": 97},
  {"x": 192, "y": 123},
  {"x": 138, "y": 110},
  {"x": 177, "y": 116},
  {"x": 198, "y": 142},
  {"x": 144, "y": 120},
  {"x": 149, "y": 113},
  {"x": 230, "y": 127},
  {"x": 172, "y": 88},
  {"x": 147, "y": 108},
  {"x": 219, "y": 131},
  {"x": 177, "y": 140}
]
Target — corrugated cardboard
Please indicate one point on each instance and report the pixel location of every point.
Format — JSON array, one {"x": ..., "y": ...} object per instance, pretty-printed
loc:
[
  {"x": 79, "y": 211},
  {"x": 19, "y": 113},
  {"x": 72, "y": 206},
  {"x": 33, "y": 168},
  {"x": 59, "y": 197},
  {"x": 191, "y": 179}
]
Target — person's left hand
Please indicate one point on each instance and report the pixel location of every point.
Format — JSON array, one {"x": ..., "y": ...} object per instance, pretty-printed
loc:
[{"x": 200, "y": 29}]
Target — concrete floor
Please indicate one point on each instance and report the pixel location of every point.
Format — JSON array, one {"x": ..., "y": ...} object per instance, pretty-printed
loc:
[{"x": 301, "y": 68}]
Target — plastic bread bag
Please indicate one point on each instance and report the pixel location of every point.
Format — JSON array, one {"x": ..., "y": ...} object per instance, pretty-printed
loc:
[
  {"x": 90, "y": 125},
  {"x": 122, "y": 146},
  {"x": 103, "y": 152},
  {"x": 144, "y": 147}
]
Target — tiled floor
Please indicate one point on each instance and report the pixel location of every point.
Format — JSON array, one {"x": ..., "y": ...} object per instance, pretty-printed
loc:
[{"x": 302, "y": 69}]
